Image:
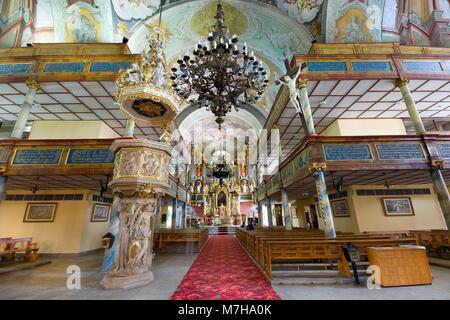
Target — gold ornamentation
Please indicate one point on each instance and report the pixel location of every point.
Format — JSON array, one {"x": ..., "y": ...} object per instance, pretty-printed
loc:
[
  {"x": 316, "y": 29},
  {"x": 146, "y": 190},
  {"x": 437, "y": 164},
  {"x": 316, "y": 166},
  {"x": 302, "y": 83},
  {"x": 401, "y": 82},
  {"x": 32, "y": 84},
  {"x": 143, "y": 91}
]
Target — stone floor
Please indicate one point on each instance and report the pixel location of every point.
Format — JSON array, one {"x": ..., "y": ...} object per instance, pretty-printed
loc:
[{"x": 49, "y": 282}]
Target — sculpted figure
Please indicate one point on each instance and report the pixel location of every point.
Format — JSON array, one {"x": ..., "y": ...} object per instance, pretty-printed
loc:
[{"x": 291, "y": 84}]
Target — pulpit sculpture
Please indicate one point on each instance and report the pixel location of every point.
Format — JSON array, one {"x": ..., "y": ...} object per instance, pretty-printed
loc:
[{"x": 140, "y": 178}]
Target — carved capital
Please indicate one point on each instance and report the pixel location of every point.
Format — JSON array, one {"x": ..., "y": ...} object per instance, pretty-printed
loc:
[
  {"x": 316, "y": 166},
  {"x": 302, "y": 83},
  {"x": 401, "y": 82},
  {"x": 437, "y": 164},
  {"x": 32, "y": 84}
]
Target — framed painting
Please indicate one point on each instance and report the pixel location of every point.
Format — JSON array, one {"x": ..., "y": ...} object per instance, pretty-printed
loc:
[
  {"x": 40, "y": 212},
  {"x": 398, "y": 206},
  {"x": 100, "y": 213},
  {"x": 340, "y": 208}
]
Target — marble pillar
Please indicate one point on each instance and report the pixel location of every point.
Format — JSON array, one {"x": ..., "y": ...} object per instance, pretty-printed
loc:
[
  {"x": 325, "y": 213},
  {"x": 21, "y": 122},
  {"x": 141, "y": 177},
  {"x": 286, "y": 214}
]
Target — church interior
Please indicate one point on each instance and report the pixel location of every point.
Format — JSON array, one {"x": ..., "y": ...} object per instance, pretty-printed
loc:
[{"x": 224, "y": 149}]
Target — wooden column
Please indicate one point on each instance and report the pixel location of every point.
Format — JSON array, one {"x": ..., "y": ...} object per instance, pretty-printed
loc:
[
  {"x": 402, "y": 84},
  {"x": 129, "y": 129},
  {"x": 436, "y": 175},
  {"x": 324, "y": 202},
  {"x": 21, "y": 122},
  {"x": 306, "y": 107},
  {"x": 269, "y": 211},
  {"x": 286, "y": 214}
]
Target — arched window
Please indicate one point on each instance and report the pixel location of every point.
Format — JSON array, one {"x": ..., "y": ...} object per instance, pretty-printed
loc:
[{"x": 390, "y": 14}]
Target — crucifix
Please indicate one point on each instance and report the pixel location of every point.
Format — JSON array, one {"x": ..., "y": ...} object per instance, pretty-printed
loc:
[{"x": 290, "y": 81}]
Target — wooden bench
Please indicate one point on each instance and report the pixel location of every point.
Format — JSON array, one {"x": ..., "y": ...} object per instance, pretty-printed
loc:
[
  {"x": 261, "y": 241},
  {"x": 164, "y": 237},
  {"x": 321, "y": 249},
  {"x": 9, "y": 247},
  {"x": 437, "y": 242}
]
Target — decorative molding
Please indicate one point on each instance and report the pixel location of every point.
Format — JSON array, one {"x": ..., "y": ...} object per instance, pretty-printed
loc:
[
  {"x": 317, "y": 166},
  {"x": 437, "y": 164}
]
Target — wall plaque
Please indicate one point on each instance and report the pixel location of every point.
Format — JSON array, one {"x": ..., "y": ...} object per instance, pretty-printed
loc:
[
  {"x": 90, "y": 156},
  {"x": 37, "y": 156},
  {"x": 445, "y": 151},
  {"x": 347, "y": 152},
  {"x": 399, "y": 151}
]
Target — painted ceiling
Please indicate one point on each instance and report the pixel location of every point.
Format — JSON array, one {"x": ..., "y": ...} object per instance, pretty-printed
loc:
[{"x": 410, "y": 22}]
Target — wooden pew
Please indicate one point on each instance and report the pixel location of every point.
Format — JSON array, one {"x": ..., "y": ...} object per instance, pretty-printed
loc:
[
  {"x": 437, "y": 242},
  {"x": 9, "y": 247},
  {"x": 164, "y": 237},
  {"x": 261, "y": 241},
  {"x": 321, "y": 249}
]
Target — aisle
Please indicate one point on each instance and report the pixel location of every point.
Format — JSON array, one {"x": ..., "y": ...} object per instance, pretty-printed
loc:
[{"x": 223, "y": 271}]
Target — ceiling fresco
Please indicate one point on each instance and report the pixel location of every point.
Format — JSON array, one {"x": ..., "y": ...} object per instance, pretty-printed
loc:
[{"x": 409, "y": 22}]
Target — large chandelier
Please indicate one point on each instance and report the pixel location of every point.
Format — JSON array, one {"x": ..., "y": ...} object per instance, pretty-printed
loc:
[
  {"x": 220, "y": 74},
  {"x": 220, "y": 169}
]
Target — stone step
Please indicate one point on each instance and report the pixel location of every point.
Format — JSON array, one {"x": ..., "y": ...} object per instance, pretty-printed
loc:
[
  {"x": 311, "y": 281},
  {"x": 303, "y": 273}
]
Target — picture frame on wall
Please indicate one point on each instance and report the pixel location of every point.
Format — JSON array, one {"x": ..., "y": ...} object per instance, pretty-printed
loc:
[
  {"x": 40, "y": 212},
  {"x": 340, "y": 208},
  {"x": 100, "y": 212},
  {"x": 398, "y": 206}
]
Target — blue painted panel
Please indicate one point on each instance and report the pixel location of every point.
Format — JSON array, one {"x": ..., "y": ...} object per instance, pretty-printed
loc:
[
  {"x": 64, "y": 67},
  {"x": 18, "y": 68},
  {"x": 37, "y": 156},
  {"x": 371, "y": 66},
  {"x": 347, "y": 152},
  {"x": 399, "y": 151},
  {"x": 108, "y": 66},
  {"x": 445, "y": 150},
  {"x": 90, "y": 156},
  {"x": 327, "y": 66},
  {"x": 425, "y": 66}
]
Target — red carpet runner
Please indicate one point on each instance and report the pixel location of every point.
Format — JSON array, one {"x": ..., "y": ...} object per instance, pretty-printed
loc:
[{"x": 223, "y": 271}]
